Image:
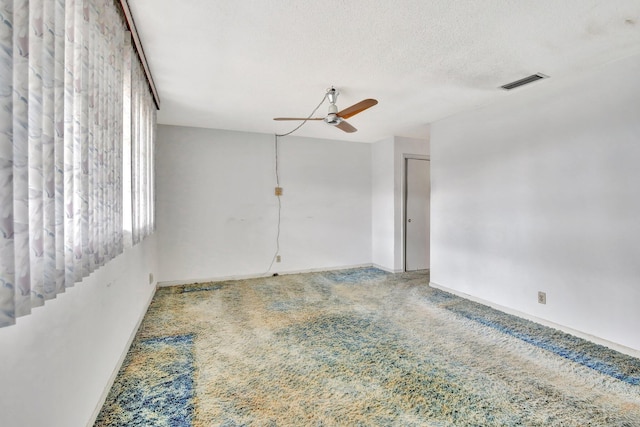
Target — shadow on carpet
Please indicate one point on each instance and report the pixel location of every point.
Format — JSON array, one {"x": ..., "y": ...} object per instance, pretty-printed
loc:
[{"x": 359, "y": 347}]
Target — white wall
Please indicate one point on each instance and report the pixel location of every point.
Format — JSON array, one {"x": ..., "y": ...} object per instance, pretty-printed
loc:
[
  {"x": 57, "y": 361},
  {"x": 387, "y": 194},
  {"x": 383, "y": 207},
  {"x": 542, "y": 192},
  {"x": 217, "y": 213}
]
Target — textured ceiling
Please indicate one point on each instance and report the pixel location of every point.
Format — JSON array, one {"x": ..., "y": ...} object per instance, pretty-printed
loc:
[{"x": 237, "y": 64}]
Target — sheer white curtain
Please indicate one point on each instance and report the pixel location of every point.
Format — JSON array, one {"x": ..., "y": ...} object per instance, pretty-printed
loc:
[{"x": 61, "y": 153}]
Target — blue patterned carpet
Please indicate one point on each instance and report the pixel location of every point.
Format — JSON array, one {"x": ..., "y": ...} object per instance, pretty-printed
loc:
[{"x": 359, "y": 347}]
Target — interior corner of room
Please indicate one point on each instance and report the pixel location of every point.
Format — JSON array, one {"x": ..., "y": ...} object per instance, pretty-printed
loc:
[{"x": 533, "y": 201}]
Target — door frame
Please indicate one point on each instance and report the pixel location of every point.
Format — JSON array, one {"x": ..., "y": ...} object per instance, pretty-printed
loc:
[{"x": 405, "y": 172}]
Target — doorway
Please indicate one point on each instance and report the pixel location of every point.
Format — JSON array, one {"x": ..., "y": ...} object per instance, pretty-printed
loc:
[{"x": 417, "y": 214}]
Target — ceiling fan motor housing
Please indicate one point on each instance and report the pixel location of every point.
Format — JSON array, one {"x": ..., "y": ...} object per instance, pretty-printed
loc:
[
  {"x": 333, "y": 119},
  {"x": 332, "y": 115}
]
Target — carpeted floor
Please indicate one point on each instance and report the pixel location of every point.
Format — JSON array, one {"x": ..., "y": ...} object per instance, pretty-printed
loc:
[{"x": 359, "y": 347}]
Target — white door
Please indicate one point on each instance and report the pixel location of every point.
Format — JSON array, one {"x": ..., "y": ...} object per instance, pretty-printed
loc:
[{"x": 417, "y": 215}]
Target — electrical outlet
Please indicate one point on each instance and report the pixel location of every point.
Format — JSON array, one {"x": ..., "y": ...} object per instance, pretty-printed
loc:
[
  {"x": 542, "y": 297},
  {"x": 278, "y": 191},
  {"x": 278, "y": 259},
  {"x": 150, "y": 278}
]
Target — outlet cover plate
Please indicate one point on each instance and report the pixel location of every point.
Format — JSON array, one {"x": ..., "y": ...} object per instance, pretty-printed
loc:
[{"x": 542, "y": 297}]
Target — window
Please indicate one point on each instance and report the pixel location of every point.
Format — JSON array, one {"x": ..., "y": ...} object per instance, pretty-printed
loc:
[
  {"x": 139, "y": 124},
  {"x": 62, "y": 178}
]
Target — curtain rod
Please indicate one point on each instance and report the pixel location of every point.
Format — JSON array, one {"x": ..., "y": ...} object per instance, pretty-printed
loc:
[{"x": 136, "y": 40}]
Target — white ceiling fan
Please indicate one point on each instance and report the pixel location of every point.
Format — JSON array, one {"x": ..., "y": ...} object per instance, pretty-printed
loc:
[{"x": 337, "y": 118}]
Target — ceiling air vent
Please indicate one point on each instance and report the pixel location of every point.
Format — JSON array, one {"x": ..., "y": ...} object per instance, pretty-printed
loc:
[{"x": 522, "y": 82}]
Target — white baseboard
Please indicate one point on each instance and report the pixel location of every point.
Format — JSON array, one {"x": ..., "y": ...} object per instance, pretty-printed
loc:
[
  {"x": 594, "y": 339},
  {"x": 255, "y": 276},
  {"x": 388, "y": 270},
  {"x": 123, "y": 355}
]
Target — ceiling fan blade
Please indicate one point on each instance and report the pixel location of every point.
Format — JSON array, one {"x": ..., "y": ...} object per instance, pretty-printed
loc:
[
  {"x": 357, "y": 108},
  {"x": 295, "y": 118},
  {"x": 346, "y": 127}
]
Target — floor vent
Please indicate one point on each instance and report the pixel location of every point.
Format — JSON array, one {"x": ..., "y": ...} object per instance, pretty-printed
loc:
[{"x": 522, "y": 82}]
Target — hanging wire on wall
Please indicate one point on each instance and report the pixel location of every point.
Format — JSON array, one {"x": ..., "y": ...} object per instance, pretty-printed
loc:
[{"x": 277, "y": 164}]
